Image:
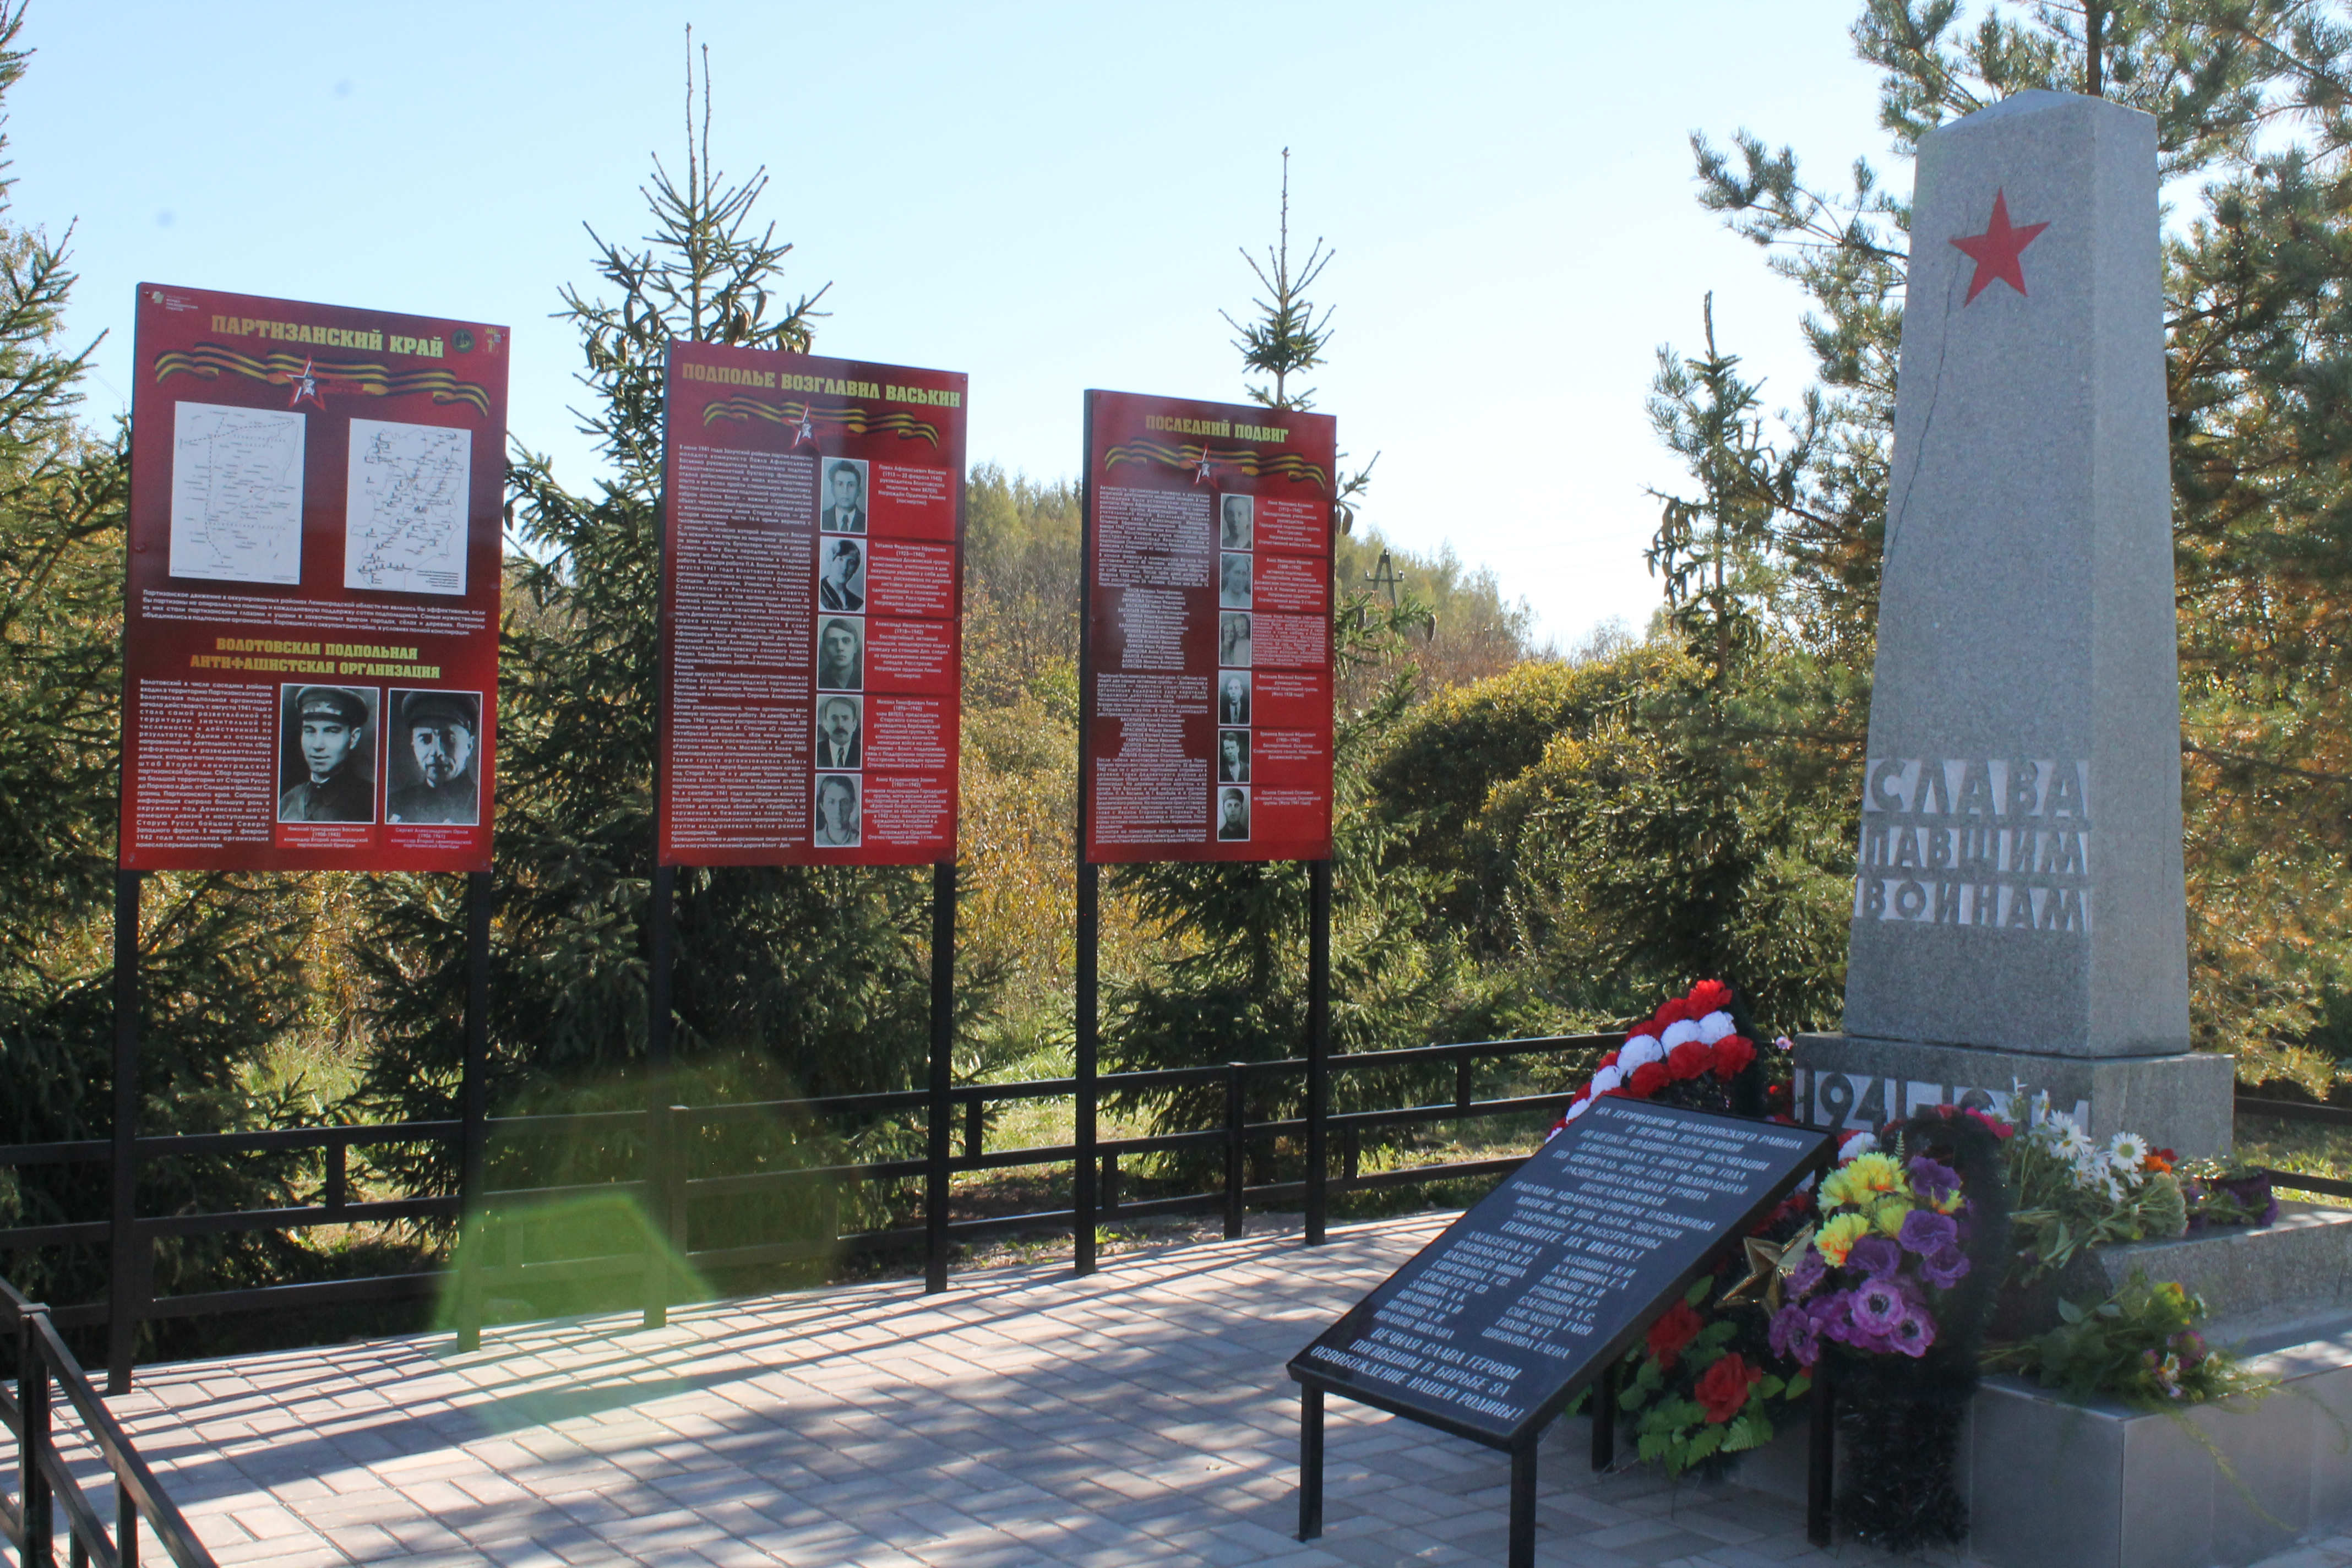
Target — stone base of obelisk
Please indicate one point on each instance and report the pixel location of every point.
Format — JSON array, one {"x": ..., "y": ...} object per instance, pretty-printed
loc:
[
  {"x": 2053, "y": 1482},
  {"x": 2180, "y": 1102}
]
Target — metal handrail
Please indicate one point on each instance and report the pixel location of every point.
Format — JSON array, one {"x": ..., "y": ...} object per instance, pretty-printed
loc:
[
  {"x": 43, "y": 1476},
  {"x": 1231, "y": 1132}
]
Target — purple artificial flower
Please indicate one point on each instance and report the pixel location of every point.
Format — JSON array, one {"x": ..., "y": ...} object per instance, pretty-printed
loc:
[
  {"x": 1878, "y": 1306},
  {"x": 1914, "y": 1332},
  {"x": 1944, "y": 1268},
  {"x": 1807, "y": 1273},
  {"x": 1931, "y": 1181},
  {"x": 1796, "y": 1336},
  {"x": 1832, "y": 1315},
  {"x": 1925, "y": 1232},
  {"x": 1874, "y": 1258}
]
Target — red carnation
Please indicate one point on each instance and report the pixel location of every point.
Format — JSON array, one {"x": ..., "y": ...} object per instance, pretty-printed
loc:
[
  {"x": 1732, "y": 1055},
  {"x": 1675, "y": 1012},
  {"x": 1723, "y": 1387},
  {"x": 1709, "y": 996},
  {"x": 1673, "y": 1333},
  {"x": 1997, "y": 1128},
  {"x": 1688, "y": 1060},
  {"x": 1610, "y": 1061},
  {"x": 1647, "y": 1080}
]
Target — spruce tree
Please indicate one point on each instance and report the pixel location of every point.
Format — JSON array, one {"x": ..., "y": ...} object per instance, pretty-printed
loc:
[
  {"x": 222, "y": 976},
  {"x": 789, "y": 981}
]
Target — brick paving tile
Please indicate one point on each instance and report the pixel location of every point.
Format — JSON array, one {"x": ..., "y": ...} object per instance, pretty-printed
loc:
[{"x": 1024, "y": 1417}]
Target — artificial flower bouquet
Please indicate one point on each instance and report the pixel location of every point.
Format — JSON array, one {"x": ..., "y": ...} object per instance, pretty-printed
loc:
[{"x": 1691, "y": 1052}]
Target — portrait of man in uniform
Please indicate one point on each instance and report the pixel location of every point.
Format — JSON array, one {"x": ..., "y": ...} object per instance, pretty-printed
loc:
[
  {"x": 842, "y": 584},
  {"x": 840, "y": 654},
  {"x": 838, "y": 723},
  {"x": 325, "y": 759},
  {"x": 1233, "y": 756},
  {"x": 836, "y": 811},
  {"x": 1234, "y": 699},
  {"x": 1233, "y": 582},
  {"x": 1235, "y": 526},
  {"x": 1233, "y": 814},
  {"x": 1233, "y": 638},
  {"x": 844, "y": 497},
  {"x": 433, "y": 749}
]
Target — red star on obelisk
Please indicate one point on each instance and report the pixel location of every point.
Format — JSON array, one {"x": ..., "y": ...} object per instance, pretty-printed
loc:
[{"x": 1997, "y": 249}]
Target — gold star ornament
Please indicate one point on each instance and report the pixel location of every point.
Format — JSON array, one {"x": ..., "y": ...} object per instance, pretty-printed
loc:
[{"x": 1768, "y": 1263}]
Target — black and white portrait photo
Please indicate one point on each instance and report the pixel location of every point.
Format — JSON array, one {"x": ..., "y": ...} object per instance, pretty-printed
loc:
[
  {"x": 1234, "y": 698},
  {"x": 845, "y": 495},
  {"x": 1233, "y": 814},
  {"x": 1236, "y": 526},
  {"x": 326, "y": 753},
  {"x": 1233, "y": 582},
  {"x": 836, "y": 811},
  {"x": 841, "y": 653},
  {"x": 1233, "y": 638},
  {"x": 840, "y": 733},
  {"x": 429, "y": 769},
  {"x": 1233, "y": 756},
  {"x": 841, "y": 576}
]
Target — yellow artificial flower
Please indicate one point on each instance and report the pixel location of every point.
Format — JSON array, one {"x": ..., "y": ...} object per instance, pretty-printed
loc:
[
  {"x": 1836, "y": 1239},
  {"x": 1876, "y": 1173},
  {"x": 1888, "y": 1216},
  {"x": 1950, "y": 1203}
]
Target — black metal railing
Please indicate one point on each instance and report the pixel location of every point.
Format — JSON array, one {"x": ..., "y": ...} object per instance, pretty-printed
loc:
[
  {"x": 669, "y": 1194},
  {"x": 45, "y": 1484},
  {"x": 2300, "y": 1110}
]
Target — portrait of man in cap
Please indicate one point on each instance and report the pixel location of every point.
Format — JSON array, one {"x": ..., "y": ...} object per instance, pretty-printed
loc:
[
  {"x": 1233, "y": 814},
  {"x": 324, "y": 760},
  {"x": 433, "y": 746}
]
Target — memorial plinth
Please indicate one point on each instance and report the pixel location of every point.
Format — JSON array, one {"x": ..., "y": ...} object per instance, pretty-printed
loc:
[{"x": 2019, "y": 913}]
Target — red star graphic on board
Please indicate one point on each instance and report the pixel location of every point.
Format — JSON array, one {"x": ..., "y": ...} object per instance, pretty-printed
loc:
[
  {"x": 305, "y": 384},
  {"x": 1997, "y": 249},
  {"x": 805, "y": 430},
  {"x": 1207, "y": 470}
]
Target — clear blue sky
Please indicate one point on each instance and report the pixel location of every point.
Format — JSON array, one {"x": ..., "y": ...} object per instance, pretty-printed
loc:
[{"x": 1048, "y": 197}]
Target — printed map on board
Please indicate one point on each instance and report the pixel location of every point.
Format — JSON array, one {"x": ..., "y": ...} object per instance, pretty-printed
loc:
[
  {"x": 404, "y": 528},
  {"x": 237, "y": 493}
]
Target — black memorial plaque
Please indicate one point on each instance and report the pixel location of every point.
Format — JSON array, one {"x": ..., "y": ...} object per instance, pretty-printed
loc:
[{"x": 1493, "y": 1328}]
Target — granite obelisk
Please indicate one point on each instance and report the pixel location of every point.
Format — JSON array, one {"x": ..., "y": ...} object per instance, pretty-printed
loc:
[{"x": 2019, "y": 913}]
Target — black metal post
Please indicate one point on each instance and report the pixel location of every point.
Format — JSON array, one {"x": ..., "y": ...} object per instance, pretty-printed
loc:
[
  {"x": 1233, "y": 1124},
  {"x": 1319, "y": 1044},
  {"x": 940, "y": 1127},
  {"x": 1604, "y": 1419},
  {"x": 1310, "y": 1462},
  {"x": 659, "y": 1153},
  {"x": 1523, "y": 1504},
  {"x": 1088, "y": 1049},
  {"x": 125, "y": 1278},
  {"x": 473, "y": 1113},
  {"x": 1821, "y": 1458},
  {"x": 33, "y": 1441}
]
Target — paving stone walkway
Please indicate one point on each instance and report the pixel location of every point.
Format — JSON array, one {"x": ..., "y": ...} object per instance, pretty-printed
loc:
[{"x": 1024, "y": 1417}]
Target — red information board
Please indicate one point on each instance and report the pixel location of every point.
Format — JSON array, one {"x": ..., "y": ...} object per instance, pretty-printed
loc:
[
  {"x": 310, "y": 631},
  {"x": 1207, "y": 703},
  {"x": 812, "y": 611}
]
